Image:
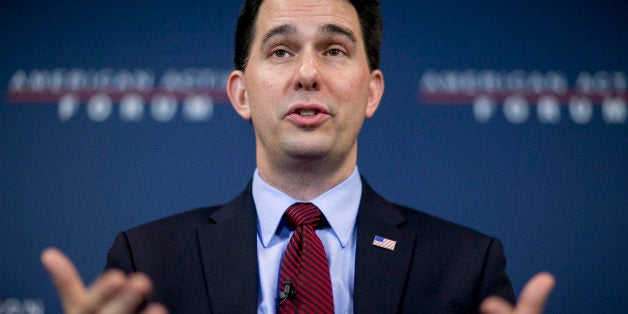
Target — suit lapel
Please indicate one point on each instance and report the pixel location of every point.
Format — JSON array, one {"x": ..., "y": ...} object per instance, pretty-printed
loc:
[
  {"x": 229, "y": 256},
  {"x": 380, "y": 274}
]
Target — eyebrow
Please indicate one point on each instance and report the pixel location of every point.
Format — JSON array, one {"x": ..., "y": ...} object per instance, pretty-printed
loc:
[
  {"x": 335, "y": 29},
  {"x": 289, "y": 29},
  {"x": 284, "y": 29}
]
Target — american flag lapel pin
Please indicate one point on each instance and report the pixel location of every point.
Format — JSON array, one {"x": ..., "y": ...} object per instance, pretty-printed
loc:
[{"x": 384, "y": 243}]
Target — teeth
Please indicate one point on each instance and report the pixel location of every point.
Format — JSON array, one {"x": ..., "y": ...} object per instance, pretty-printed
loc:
[{"x": 306, "y": 112}]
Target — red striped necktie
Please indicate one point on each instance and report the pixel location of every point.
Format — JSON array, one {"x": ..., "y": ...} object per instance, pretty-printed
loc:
[{"x": 304, "y": 280}]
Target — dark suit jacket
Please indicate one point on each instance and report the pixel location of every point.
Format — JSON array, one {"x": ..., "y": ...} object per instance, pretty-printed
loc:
[{"x": 205, "y": 260}]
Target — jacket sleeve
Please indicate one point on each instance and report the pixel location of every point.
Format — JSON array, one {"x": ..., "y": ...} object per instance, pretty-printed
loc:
[
  {"x": 120, "y": 255},
  {"x": 494, "y": 280}
]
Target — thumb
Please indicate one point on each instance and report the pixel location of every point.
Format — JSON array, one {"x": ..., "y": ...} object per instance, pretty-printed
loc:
[
  {"x": 535, "y": 293},
  {"x": 65, "y": 278}
]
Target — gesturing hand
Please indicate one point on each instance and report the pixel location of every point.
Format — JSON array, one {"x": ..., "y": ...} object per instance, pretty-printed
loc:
[
  {"x": 113, "y": 292},
  {"x": 531, "y": 301}
]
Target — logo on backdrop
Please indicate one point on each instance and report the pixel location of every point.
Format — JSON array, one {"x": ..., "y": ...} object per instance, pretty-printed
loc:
[
  {"x": 518, "y": 92},
  {"x": 128, "y": 95}
]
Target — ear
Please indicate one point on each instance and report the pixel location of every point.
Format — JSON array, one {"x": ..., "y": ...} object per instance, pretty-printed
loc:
[
  {"x": 376, "y": 90},
  {"x": 236, "y": 89}
]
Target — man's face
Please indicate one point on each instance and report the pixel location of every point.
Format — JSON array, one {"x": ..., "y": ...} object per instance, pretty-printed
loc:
[{"x": 307, "y": 86}]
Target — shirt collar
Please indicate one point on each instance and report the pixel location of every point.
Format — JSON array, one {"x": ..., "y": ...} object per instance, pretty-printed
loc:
[{"x": 339, "y": 205}]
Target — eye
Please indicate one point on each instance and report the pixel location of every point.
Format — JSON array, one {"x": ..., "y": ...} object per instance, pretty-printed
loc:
[
  {"x": 335, "y": 52},
  {"x": 280, "y": 53}
]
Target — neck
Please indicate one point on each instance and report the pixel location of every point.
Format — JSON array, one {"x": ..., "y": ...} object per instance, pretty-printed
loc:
[{"x": 306, "y": 179}]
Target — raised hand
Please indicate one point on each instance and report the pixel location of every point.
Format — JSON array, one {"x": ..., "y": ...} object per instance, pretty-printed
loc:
[
  {"x": 113, "y": 292},
  {"x": 531, "y": 301}
]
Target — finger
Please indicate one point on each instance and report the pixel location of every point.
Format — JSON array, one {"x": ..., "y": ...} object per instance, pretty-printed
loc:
[
  {"x": 155, "y": 308},
  {"x": 495, "y": 305},
  {"x": 130, "y": 297},
  {"x": 535, "y": 294},
  {"x": 65, "y": 278},
  {"x": 106, "y": 287}
]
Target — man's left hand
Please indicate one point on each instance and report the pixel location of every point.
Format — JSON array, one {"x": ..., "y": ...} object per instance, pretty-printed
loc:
[{"x": 531, "y": 301}]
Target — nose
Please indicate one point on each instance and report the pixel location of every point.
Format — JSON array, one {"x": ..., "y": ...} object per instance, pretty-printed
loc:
[{"x": 307, "y": 72}]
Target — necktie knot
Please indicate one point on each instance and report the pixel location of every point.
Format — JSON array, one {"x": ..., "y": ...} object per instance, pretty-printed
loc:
[{"x": 300, "y": 214}]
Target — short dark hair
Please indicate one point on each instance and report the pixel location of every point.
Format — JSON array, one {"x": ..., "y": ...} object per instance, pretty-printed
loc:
[{"x": 368, "y": 12}]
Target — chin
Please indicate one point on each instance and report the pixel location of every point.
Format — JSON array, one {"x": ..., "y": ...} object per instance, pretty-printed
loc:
[
  {"x": 308, "y": 151},
  {"x": 306, "y": 155}
]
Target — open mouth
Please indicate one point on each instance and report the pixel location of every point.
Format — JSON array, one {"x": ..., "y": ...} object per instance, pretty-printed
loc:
[
  {"x": 308, "y": 115},
  {"x": 307, "y": 112}
]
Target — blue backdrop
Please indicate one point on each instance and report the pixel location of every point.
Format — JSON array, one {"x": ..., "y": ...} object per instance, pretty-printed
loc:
[{"x": 506, "y": 117}]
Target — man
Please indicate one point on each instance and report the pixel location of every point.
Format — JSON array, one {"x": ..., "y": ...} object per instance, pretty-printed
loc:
[{"x": 306, "y": 77}]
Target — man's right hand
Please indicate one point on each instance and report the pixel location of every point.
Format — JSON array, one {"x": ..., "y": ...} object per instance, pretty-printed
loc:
[{"x": 113, "y": 292}]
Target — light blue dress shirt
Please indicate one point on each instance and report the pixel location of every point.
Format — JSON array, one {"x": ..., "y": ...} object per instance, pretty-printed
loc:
[{"x": 340, "y": 207}]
